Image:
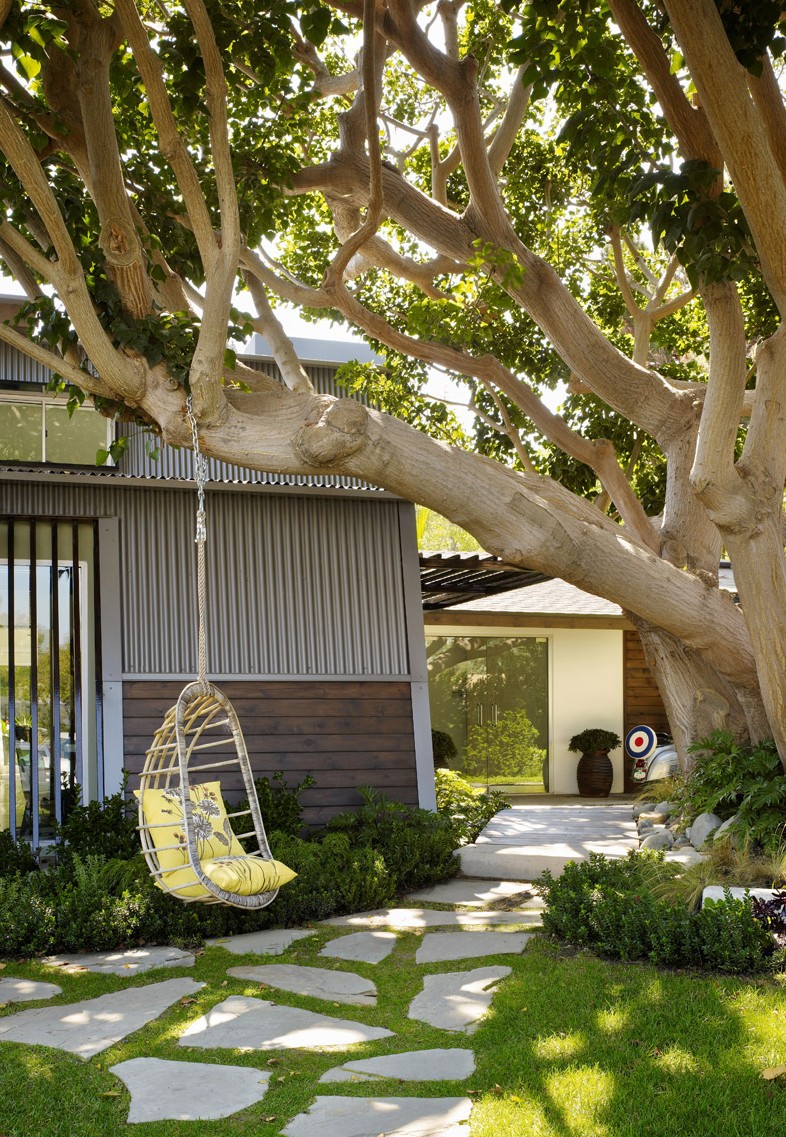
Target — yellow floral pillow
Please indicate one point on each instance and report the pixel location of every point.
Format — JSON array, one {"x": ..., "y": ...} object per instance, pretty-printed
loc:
[{"x": 215, "y": 843}]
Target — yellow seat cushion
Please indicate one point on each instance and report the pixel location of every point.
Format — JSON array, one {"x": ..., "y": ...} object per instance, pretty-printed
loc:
[
  {"x": 216, "y": 844},
  {"x": 247, "y": 876}
]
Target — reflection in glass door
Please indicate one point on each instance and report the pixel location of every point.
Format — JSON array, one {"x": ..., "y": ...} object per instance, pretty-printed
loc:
[
  {"x": 49, "y": 708},
  {"x": 489, "y": 701}
]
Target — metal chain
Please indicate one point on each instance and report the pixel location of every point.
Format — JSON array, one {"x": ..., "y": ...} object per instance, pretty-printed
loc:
[{"x": 200, "y": 473}]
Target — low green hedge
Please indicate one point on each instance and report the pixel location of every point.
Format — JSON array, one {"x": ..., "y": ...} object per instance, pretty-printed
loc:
[
  {"x": 100, "y": 896},
  {"x": 608, "y": 906}
]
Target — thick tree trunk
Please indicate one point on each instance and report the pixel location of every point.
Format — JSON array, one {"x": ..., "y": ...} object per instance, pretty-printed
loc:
[{"x": 698, "y": 700}]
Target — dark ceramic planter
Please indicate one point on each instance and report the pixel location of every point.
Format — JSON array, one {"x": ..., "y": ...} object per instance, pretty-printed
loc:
[{"x": 595, "y": 774}]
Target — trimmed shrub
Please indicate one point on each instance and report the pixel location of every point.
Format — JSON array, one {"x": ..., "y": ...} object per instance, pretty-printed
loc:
[
  {"x": 468, "y": 809},
  {"x": 416, "y": 846},
  {"x": 280, "y": 803},
  {"x": 15, "y": 856},
  {"x": 443, "y": 748},
  {"x": 105, "y": 828},
  {"x": 608, "y": 906}
]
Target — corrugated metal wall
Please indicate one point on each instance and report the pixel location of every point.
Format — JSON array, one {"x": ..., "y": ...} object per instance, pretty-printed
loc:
[{"x": 300, "y": 585}]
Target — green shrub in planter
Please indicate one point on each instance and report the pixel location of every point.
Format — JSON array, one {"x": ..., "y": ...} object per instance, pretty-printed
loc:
[
  {"x": 593, "y": 738},
  {"x": 443, "y": 748}
]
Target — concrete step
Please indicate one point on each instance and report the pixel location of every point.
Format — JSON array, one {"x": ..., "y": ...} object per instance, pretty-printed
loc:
[{"x": 494, "y": 861}]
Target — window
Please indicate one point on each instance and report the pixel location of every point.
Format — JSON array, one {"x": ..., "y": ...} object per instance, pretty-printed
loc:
[
  {"x": 50, "y": 706},
  {"x": 33, "y": 429}
]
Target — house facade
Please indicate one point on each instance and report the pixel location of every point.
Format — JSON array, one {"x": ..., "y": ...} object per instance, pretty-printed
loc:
[
  {"x": 514, "y": 676},
  {"x": 314, "y": 620}
]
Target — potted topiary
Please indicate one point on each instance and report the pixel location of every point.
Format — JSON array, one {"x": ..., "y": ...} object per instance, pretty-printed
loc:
[{"x": 595, "y": 771}]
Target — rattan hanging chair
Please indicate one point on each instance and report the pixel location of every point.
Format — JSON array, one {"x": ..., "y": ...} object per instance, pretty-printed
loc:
[{"x": 187, "y": 837}]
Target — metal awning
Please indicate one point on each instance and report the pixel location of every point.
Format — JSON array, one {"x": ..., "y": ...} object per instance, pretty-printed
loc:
[{"x": 453, "y": 578}]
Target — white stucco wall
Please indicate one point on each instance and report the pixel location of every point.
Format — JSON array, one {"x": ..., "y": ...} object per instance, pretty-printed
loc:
[{"x": 586, "y": 689}]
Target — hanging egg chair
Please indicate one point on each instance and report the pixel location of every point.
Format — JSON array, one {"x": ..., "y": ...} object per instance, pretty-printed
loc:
[{"x": 187, "y": 835}]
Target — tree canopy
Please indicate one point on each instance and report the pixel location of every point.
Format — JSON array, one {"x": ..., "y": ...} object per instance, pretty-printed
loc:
[{"x": 536, "y": 197}]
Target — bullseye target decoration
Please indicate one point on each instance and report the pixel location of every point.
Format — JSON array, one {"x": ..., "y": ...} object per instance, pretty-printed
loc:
[{"x": 641, "y": 741}]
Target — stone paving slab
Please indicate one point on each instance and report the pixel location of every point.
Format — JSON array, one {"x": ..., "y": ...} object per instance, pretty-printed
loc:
[
  {"x": 439, "y": 1065},
  {"x": 244, "y": 1023},
  {"x": 361, "y": 947},
  {"x": 319, "y": 982},
  {"x": 25, "y": 990},
  {"x": 414, "y": 918},
  {"x": 132, "y": 962},
  {"x": 92, "y": 1025},
  {"x": 478, "y": 893},
  {"x": 188, "y": 1091},
  {"x": 382, "y": 1117},
  {"x": 439, "y": 947},
  {"x": 458, "y": 1000},
  {"x": 272, "y": 942}
]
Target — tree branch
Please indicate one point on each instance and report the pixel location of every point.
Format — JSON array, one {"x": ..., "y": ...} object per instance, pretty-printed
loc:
[
  {"x": 292, "y": 370},
  {"x": 723, "y": 88}
]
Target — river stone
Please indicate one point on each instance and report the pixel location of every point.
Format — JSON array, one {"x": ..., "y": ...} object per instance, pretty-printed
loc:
[
  {"x": 88, "y": 1027},
  {"x": 243, "y": 1023},
  {"x": 658, "y": 839},
  {"x": 361, "y": 947},
  {"x": 273, "y": 942},
  {"x": 438, "y": 947},
  {"x": 722, "y": 832},
  {"x": 667, "y": 807},
  {"x": 132, "y": 962},
  {"x": 382, "y": 1117},
  {"x": 26, "y": 990},
  {"x": 188, "y": 1091},
  {"x": 428, "y": 918},
  {"x": 704, "y": 825},
  {"x": 412, "y": 1066},
  {"x": 457, "y": 1000},
  {"x": 319, "y": 982},
  {"x": 654, "y": 816}
]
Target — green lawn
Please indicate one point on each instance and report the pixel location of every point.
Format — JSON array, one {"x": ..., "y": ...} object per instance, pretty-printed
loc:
[{"x": 573, "y": 1047}]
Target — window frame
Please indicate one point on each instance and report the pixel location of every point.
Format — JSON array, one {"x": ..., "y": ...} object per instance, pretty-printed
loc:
[{"x": 44, "y": 400}]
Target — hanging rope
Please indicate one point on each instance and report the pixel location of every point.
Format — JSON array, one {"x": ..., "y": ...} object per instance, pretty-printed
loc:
[{"x": 200, "y": 473}]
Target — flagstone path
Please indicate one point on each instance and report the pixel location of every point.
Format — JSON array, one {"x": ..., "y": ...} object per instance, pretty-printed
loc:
[{"x": 162, "y": 1090}]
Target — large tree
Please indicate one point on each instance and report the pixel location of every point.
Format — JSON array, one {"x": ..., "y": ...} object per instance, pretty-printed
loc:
[{"x": 514, "y": 194}]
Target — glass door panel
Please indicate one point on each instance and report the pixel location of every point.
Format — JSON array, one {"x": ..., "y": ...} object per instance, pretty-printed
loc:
[
  {"x": 47, "y": 668},
  {"x": 489, "y": 705}
]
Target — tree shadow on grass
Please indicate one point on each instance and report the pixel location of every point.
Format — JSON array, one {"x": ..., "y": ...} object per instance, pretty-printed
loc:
[{"x": 578, "y": 1047}]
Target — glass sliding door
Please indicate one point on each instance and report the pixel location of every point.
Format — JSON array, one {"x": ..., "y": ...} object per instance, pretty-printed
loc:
[
  {"x": 49, "y": 707},
  {"x": 489, "y": 696}
]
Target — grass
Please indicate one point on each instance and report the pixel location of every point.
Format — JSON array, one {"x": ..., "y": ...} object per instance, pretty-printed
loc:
[{"x": 572, "y": 1047}]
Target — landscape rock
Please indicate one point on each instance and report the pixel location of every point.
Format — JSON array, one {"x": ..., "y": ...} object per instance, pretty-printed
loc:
[
  {"x": 717, "y": 892},
  {"x": 658, "y": 839},
  {"x": 704, "y": 825},
  {"x": 722, "y": 832},
  {"x": 655, "y": 817}
]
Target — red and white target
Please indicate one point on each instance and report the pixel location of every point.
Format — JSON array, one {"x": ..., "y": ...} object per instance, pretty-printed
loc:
[{"x": 641, "y": 741}]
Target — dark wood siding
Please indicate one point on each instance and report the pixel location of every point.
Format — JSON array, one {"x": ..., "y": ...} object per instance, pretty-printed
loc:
[
  {"x": 643, "y": 704},
  {"x": 345, "y": 734}
]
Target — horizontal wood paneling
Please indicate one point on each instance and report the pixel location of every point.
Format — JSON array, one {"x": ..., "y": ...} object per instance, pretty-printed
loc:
[
  {"x": 345, "y": 734},
  {"x": 643, "y": 704}
]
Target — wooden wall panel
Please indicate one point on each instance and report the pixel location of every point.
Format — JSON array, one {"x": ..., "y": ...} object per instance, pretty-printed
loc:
[
  {"x": 643, "y": 704},
  {"x": 345, "y": 734}
]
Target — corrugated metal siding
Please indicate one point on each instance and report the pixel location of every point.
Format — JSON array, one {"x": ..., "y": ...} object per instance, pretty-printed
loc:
[
  {"x": 18, "y": 368},
  {"x": 299, "y": 585}
]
